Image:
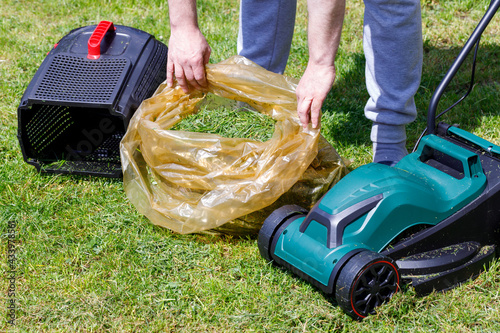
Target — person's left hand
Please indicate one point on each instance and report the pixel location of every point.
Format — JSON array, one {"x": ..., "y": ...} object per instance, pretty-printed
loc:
[{"x": 312, "y": 91}]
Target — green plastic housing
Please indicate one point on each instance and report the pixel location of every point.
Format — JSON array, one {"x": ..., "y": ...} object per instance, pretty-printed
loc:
[{"x": 425, "y": 187}]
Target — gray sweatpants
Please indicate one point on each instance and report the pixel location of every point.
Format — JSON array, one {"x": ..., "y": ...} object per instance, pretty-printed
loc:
[{"x": 392, "y": 40}]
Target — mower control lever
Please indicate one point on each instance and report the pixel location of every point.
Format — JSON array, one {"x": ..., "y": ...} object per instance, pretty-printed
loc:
[
  {"x": 474, "y": 38},
  {"x": 485, "y": 144}
]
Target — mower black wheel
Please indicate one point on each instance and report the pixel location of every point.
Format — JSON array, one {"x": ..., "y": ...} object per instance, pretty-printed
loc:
[
  {"x": 367, "y": 280},
  {"x": 272, "y": 224}
]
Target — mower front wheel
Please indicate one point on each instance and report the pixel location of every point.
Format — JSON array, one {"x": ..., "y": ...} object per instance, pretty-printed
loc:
[
  {"x": 271, "y": 225},
  {"x": 368, "y": 280}
]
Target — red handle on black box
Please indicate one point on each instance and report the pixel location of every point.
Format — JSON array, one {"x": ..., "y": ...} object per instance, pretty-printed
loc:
[{"x": 95, "y": 40}]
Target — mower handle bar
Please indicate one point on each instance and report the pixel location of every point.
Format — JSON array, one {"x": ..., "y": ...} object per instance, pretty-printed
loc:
[{"x": 473, "y": 39}]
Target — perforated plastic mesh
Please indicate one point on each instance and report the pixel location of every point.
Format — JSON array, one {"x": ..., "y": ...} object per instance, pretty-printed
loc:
[
  {"x": 108, "y": 151},
  {"x": 83, "y": 167},
  {"x": 49, "y": 123},
  {"x": 77, "y": 79},
  {"x": 104, "y": 161}
]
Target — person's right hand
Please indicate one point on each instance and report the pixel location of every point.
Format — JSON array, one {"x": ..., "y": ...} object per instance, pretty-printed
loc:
[{"x": 188, "y": 53}]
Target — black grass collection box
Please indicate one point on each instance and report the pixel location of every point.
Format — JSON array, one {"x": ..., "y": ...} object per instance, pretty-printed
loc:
[{"x": 76, "y": 108}]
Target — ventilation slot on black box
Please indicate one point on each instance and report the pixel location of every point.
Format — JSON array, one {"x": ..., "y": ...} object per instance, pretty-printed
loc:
[
  {"x": 154, "y": 74},
  {"x": 46, "y": 126},
  {"x": 73, "y": 137}
]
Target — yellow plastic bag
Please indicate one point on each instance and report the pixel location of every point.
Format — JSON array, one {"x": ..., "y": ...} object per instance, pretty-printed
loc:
[
  {"x": 191, "y": 182},
  {"x": 325, "y": 170}
]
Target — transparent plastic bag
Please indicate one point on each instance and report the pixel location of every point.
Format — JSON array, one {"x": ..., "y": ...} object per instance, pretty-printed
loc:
[
  {"x": 325, "y": 171},
  {"x": 191, "y": 182}
]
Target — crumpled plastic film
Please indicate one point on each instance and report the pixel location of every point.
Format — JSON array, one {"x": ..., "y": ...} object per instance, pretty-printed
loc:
[
  {"x": 191, "y": 182},
  {"x": 325, "y": 171}
]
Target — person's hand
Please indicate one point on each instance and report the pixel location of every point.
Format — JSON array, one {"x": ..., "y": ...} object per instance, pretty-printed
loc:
[
  {"x": 188, "y": 53},
  {"x": 312, "y": 91}
]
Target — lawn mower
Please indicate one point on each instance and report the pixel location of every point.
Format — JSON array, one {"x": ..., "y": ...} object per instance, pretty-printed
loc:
[{"x": 432, "y": 220}]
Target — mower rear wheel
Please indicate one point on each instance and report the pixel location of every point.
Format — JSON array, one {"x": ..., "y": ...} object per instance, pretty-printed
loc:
[
  {"x": 272, "y": 224},
  {"x": 368, "y": 280}
]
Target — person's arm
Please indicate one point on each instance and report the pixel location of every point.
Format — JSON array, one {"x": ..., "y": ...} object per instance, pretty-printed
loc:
[
  {"x": 188, "y": 50},
  {"x": 324, "y": 29}
]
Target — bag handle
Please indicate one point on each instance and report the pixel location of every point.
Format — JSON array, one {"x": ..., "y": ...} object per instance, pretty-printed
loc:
[{"x": 95, "y": 40}]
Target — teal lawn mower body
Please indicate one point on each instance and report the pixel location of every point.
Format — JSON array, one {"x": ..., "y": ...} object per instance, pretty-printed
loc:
[
  {"x": 433, "y": 219},
  {"x": 408, "y": 195}
]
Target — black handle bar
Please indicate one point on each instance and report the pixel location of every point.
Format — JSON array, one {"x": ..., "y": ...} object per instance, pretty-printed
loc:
[{"x": 431, "y": 113}]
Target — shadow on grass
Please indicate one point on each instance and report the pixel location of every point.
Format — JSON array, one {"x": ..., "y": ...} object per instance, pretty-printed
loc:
[{"x": 76, "y": 178}]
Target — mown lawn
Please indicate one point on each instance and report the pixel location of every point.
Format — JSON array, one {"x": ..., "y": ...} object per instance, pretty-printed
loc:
[{"x": 86, "y": 261}]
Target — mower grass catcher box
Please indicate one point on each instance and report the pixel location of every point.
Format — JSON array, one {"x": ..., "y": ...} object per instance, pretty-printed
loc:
[{"x": 77, "y": 107}]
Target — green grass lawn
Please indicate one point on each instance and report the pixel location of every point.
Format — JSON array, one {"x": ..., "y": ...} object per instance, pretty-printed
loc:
[{"x": 87, "y": 261}]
